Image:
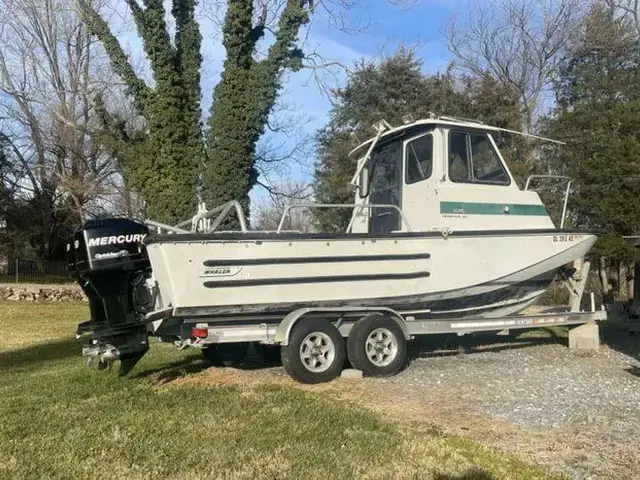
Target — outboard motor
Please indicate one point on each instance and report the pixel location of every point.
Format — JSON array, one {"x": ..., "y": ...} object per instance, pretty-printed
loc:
[{"x": 110, "y": 263}]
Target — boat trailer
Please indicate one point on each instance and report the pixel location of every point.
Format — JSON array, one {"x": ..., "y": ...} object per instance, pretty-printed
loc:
[{"x": 312, "y": 342}]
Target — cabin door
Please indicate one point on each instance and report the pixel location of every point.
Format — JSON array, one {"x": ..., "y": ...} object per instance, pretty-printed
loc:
[
  {"x": 420, "y": 201},
  {"x": 386, "y": 188}
]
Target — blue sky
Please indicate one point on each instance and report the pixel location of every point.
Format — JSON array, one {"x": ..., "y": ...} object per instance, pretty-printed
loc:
[{"x": 417, "y": 24}]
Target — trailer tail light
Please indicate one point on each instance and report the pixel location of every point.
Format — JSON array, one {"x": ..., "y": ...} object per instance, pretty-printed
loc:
[{"x": 198, "y": 332}]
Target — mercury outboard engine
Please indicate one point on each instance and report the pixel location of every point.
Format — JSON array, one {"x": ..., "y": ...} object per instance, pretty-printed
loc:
[{"x": 110, "y": 263}]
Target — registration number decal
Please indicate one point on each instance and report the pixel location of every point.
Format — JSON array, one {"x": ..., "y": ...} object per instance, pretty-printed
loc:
[{"x": 565, "y": 238}]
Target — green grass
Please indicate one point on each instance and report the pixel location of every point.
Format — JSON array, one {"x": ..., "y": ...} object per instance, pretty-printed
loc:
[{"x": 59, "y": 419}]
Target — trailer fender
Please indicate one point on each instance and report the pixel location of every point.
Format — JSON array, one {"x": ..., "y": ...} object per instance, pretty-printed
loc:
[{"x": 283, "y": 332}]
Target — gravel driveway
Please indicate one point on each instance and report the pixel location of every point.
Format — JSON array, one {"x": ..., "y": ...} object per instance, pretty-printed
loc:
[{"x": 578, "y": 412}]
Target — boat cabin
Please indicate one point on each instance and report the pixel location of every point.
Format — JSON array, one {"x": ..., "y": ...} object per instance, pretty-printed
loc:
[{"x": 442, "y": 174}]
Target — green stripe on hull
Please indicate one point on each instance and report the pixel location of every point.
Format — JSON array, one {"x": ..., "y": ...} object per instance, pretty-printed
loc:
[{"x": 472, "y": 208}]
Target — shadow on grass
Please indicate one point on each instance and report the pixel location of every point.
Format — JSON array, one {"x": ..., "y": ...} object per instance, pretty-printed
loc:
[
  {"x": 41, "y": 353},
  {"x": 173, "y": 370},
  {"x": 195, "y": 364},
  {"x": 471, "y": 474}
]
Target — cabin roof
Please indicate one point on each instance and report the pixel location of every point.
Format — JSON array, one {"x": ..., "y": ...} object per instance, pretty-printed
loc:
[{"x": 437, "y": 121}]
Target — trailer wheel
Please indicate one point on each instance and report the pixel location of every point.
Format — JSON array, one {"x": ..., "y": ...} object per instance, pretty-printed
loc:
[
  {"x": 315, "y": 352},
  {"x": 377, "y": 346},
  {"x": 270, "y": 354},
  {"x": 225, "y": 353}
]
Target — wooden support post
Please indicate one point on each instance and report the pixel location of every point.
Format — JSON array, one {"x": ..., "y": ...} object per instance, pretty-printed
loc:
[{"x": 577, "y": 284}]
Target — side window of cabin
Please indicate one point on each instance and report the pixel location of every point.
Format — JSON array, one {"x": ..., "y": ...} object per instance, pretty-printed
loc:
[
  {"x": 419, "y": 159},
  {"x": 459, "y": 157},
  {"x": 472, "y": 159}
]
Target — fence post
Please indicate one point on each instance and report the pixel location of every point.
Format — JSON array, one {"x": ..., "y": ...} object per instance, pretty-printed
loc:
[{"x": 16, "y": 270}]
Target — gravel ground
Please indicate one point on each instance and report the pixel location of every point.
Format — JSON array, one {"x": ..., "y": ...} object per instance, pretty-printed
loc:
[
  {"x": 588, "y": 403},
  {"x": 537, "y": 386}
]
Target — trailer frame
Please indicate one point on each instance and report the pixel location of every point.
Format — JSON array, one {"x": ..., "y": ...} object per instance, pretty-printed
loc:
[
  {"x": 359, "y": 333},
  {"x": 278, "y": 333}
]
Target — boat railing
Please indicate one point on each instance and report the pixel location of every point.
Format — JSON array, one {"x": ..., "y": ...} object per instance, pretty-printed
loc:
[
  {"x": 163, "y": 227},
  {"x": 202, "y": 219},
  {"x": 222, "y": 211},
  {"x": 355, "y": 207},
  {"x": 566, "y": 192}
]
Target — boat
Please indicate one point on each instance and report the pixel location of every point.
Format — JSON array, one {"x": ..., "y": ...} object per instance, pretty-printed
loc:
[
  {"x": 424, "y": 240},
  {"x": 439, "y": 229}
]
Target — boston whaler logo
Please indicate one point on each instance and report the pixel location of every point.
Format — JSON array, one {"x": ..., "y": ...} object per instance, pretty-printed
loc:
[
  {"x": 116, "y": 239},
  {"x": 226, "y": 271}
]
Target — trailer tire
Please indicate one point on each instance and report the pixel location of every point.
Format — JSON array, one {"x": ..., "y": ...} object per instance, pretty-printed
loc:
[
  {"x": 225, "y": 353},
  {"x": 315, "y": 352},
  {"x": 377, "y": 346}
]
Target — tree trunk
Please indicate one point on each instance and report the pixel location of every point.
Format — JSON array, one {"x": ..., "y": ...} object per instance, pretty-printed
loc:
[
  {"x": 630, "y": 282},
  {"x": 636, "y": 285},
  {"x": 604, "y": 278}
]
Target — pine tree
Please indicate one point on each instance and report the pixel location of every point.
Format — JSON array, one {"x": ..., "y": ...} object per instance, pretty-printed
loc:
[{"x": 598, "y": 116}]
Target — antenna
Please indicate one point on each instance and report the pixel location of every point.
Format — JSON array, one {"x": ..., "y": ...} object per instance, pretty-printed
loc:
[
  {"x": 498, "y": 129},
  {"x": 355, "y": 138},
  {"x": 528, "y": 135}
]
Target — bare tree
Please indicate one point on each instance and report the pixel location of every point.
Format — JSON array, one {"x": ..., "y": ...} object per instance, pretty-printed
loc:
[
  {"x": 518, "y": 42},
  {"x": 50, "y": 73},
  {"x": 269, "y": 211},
  {"x": 629, "y": 10}
]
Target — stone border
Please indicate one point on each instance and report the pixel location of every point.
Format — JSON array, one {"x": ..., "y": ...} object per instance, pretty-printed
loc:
[{"x": 30, "y": 292}]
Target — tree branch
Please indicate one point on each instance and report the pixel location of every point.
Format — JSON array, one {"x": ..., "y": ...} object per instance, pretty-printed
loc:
[
  {"x": 156, "y": 42},
  {"x": 282, "y": 54},
  {"x": 120, "y": 63},
  {"x": 16, "y": 151},
  {"x": 188, "y": 57}
]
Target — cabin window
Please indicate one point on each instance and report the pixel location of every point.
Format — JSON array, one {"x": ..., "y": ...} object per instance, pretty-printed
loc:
[
  {"x": 386, "y": 188},
  {"x": 472, "y": 159},
  {"x": 419, "y": 159}
]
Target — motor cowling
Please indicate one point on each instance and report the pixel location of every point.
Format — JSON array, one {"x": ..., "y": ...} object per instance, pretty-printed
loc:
[{"x": 109, "y": 260}]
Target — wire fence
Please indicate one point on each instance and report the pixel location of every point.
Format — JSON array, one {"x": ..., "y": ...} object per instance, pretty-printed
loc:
[{"x": 20, "y": 270}]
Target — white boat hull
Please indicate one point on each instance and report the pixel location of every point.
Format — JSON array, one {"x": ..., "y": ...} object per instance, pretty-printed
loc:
[{"x": 468, "y": 273}]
